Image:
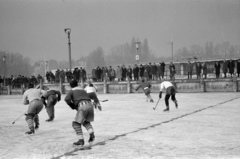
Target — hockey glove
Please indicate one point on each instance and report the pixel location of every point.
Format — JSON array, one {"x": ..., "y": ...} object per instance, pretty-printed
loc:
[
  {"x": 44, "y": 101},
  {"x": 160, "y": 94},
  {"x": 72, "y": 106},
  {"x": 59, "y": 98}
]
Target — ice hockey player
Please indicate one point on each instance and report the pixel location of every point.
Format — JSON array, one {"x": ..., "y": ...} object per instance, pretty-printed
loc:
[
  {"x": 77, "y": 98},
  {"x": 170, "y": 91},
  {"x": 146, "y": 86},
  {"x": 33, "y": 97},
  {"x": 52, "y": 97},
  {"x": 92, "y": 93}
]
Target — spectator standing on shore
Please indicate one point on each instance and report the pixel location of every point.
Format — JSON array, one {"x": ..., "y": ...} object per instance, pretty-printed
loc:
[
  {"x": 172, "y": 70},
  {"x": 62, "y": 75},
  {"x": 119, "y": 73},
  {"x": 231, "y": 66},
  {"x": 94, "y": 74},
  {"x": 112, "y": 75},
  {"x": 141, "y": 71},
  {"x": 225, "y": 68},
  {"x": 135, "y": 72},
  {"x": 217, "y": 69},
  {"x": 149, "y": 71},
  {"x": 69, "y": 75},
  {"x": 109, "y": 73},
  {"x": 158, "y": 73},
  {"x": 75, "y": 74},
  {"x": 189, "y": 69},
  {"x": 154, "y": 71},
  {"x": 204, "y": 69},
  {"x": 146, "y": 69},
  {"x": 124, "y": 73},
  {"x": 129, "y": 73},
  {"x": 238, "y": 67},
  {"x": 103, "y": 75},
  {"x": 84, "y": 74},
  {"x": 198, "y": 70},
  {"x": 163, "y": 69},
  {"x": 98, "y": 73}
]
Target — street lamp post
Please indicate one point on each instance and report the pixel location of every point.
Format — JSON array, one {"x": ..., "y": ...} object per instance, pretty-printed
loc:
[
  {"x": 171, "y": 43},
  {"x": 68, "y": 31},
  {"x": 4, "y": 70},
  {"x": 137, "y": 47}
]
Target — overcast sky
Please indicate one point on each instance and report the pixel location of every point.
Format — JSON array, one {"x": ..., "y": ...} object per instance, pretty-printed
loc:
[{"x": 35, "y": 28}]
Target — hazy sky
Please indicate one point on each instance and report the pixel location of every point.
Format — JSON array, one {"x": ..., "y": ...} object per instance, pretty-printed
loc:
[{"x": 36, "y": 27}]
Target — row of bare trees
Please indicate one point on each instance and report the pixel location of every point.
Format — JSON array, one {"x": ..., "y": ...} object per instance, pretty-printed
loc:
[{"x": 17, "y": 64}]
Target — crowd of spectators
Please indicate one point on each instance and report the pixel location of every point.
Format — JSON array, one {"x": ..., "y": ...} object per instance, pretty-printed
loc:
[
  {"x": 150, "y": 71},
  {"x": 226, "y": 67},
  {"x": 157, "y": 71},
  {"x": 19, "y": 81},
  {"x": 66, "y": 75},
  {"x": 122, "y": 73}
]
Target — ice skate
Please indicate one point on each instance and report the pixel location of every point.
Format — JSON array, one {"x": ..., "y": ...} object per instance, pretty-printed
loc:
[
  {"x": 151, "y": 100},
  {"x": 165, "y": 110},
  {"x": 30, "y": 132},
  {"x": 36, "y": 126},
  {"x": 80, "y": 142},
  {"x": 91, "y": 138},
  {"x": 176, "y": 104},
  {"x": 48, "y": 120}
]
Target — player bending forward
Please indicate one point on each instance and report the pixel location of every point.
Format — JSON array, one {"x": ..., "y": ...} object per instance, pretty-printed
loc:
[
  {"x": 33, "y": 97},
  {"x": 91, "y": 91},
  {"x": 52, "y": 97},
  {"x": 78, "y": 99},
  {"x": 170, "y": 91},
  {"x": 146, "y": 86}
]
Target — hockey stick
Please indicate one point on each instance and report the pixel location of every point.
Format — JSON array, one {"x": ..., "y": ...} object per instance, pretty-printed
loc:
[
  {"x": 105, "y": 100},
  {"x": 156, "y": 104},
  {"x": 19, "y": 118}
]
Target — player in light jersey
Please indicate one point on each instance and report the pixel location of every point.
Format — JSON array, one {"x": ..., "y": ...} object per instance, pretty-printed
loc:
[
  {"x": 33, "y": 97},
  {"x": 92, "y": 93},
  {"x": 170, "y": 91}
]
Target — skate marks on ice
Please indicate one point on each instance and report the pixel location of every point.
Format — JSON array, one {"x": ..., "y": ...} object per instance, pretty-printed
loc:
[{"x": 86, "y": 147}]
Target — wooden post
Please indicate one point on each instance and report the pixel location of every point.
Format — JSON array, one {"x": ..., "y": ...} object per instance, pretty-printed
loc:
[
  {"x": 22, "y": 89},
  {"x": 128, "y": 86},
  {"x": 41, "y": 84},
  {"x": 9, "y": 90},
  {"x": 202, "y": 85},
  {"x": 82, "y": 84},
  {"x": 105, "y": 86},
  {"x": 235, "y": 83},
  {"x": 61, "y": 86}
]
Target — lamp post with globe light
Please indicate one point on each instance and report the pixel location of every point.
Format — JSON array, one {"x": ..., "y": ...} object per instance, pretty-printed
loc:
[
  {"x": 4, "y": 69},
  {"x": 137, "y": 47},
  {"x": 68, "y": 31}
]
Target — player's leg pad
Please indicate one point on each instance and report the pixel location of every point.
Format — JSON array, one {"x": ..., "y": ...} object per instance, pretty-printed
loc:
[
  {"x": 29, "y": 120},
  {"x": 176, "y": 103},
  {"x": 77, "y": 127},
  {"x": 88, "y": 126},
  {"x": 36, "y": 121}
]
